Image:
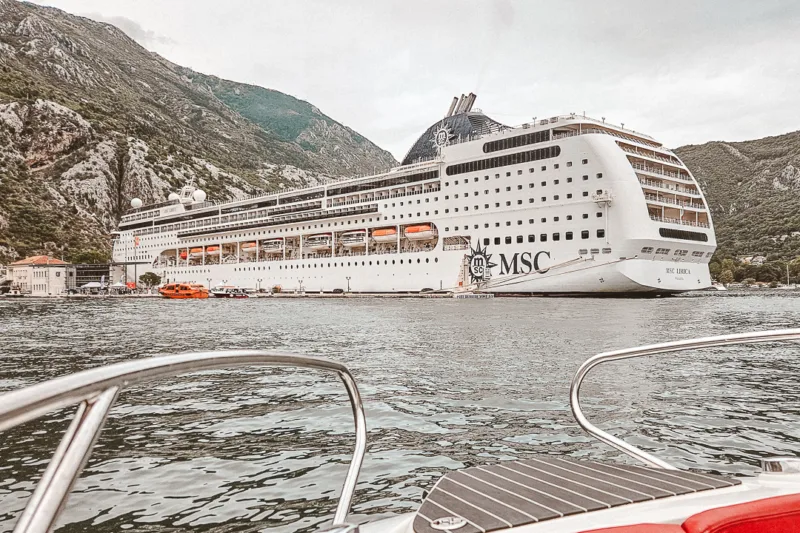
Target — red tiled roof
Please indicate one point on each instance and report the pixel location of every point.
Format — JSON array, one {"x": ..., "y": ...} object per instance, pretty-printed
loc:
[{"x": 39, "y": 260}]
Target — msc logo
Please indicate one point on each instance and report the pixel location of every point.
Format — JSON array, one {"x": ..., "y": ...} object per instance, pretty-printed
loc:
[{"x": 480, "y": 265}]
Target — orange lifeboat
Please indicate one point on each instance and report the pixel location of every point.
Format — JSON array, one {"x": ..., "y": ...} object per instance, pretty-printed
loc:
[
  {"x": 385, "y": 235},
  {"x": 195, "y": 252},
  {"x": 183, "y": 291},
  {"x": 212, "y": 250},
  {"x": 420, "y": 232},
  {"x": 248, "y": 247}
]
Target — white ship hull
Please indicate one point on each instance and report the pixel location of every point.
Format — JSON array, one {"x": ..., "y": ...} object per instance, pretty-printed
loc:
[{"x": 585, "y": 208}]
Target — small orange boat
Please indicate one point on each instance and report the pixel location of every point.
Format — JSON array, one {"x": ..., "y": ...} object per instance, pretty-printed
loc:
[{"x": 183, "y": 291}]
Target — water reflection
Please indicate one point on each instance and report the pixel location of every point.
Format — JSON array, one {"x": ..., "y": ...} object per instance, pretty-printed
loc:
[{"x": 446, "y": 384}]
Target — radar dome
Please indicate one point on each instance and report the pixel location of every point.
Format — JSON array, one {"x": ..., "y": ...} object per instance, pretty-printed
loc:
[
  {"x": 136, "y": 203},
  {"x": 199, "y": 196},
  {"x": 173, "y": 196}
]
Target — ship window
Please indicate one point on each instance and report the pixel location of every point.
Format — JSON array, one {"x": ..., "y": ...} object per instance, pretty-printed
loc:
[
  {"x": 569, "y": 163},
  {"x": 486, "y": 241},
  {"x": 447, "y": 229},
  {"x": 585, "y": 177},
  {"x": 486, "y": 225},
  {"x": 497, "y": 240},
  {"x": 599, "y": 175},
  {"x": 544, "y": 220},
  {"x": 586, "y": 193},
  {"x": 697, "y": 254},
  {"x": 544, "y": 184},
  {"x": 446, "y": 198},
  {"x": 530, "y": 221},
  {"x": 455, "y": 182},
  {"x": 543, "y": 237},
  {"x": 586, "y": 215},
  {"x": 568, "y": 235},
  {"x": 519, "y": 238},
  {"x": 508, "y": 174},
  {"x": 496, "y": 176},
  {"x": 446, "y": 183},
  {"x": 569, "y": 180},
  {"x": 508, "y": 240},
  {"x": 530, "y": 185},
  {"x": 555, "y": 197},
  {"x": 497, "y": 190},
  {"x": 475, "y": 178},
  {"x": 531, "y": 238},
  {"x": 497, "y": 204},
  {"x": 544, "y": 198},
  {"x": 530, "y": 200},
  {"x": 519, "y": 187},
  {"x": 519, "y": 202},
  {"x": 569, "y": 195},
  {"x": 544, "y": 167},
  {"x": 508, "y": 189},
  {"x": 475, "y": 207},
  {"x": 530, "y": 170},
  {"x": 584, "y": 161},
  {"x": 486, "y": 206},
  {"x": 519, "y": 173},
  {"x": 508, "y": 222},
  {"x": 585, "y": 234},
  {"x": 662, "y": 251},
  {"x": 649, "y": 250},
  {"x": 555, "y": 182},
  {"x": 599, "y": 214},
  {"x": 601, "y": 233},
  {"x": 508, "y": 203},
  {"x": 556, "y": 236}
]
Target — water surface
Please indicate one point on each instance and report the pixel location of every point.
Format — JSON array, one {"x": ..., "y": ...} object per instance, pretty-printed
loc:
[{"x": 446, "y": 384}]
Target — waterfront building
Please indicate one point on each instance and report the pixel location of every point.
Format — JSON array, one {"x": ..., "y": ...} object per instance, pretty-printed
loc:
[{"x": 40, "y": 275}]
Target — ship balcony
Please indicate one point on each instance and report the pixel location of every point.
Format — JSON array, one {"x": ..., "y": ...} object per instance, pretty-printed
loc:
[
  {"x": 685, "y": 204},
  {"x": 661, "y": 172},
  {"x": 649, "y": 155},
  {"x": 675, "y": 189}
]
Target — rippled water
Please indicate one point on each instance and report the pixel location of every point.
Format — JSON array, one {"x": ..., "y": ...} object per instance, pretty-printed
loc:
[{"x": 446, "y": 384}]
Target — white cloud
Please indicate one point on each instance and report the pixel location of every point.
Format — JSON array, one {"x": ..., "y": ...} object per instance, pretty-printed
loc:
[{"x": 682, "y": 71}]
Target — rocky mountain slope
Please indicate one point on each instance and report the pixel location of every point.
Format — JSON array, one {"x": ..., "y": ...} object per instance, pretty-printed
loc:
[
  {"x": 90, "y": 119},
  {"x": 753, "y": 189}
]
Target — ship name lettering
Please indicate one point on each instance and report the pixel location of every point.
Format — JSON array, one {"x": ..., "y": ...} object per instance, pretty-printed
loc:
[
  {"x": 522, "y": 263},
  {"x": 678, "y": 271}
]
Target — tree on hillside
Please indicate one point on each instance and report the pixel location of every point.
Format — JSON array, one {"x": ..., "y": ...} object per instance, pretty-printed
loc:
[
  {"x": 726, "y": 277},
  {"x": 149, "y": 279}
]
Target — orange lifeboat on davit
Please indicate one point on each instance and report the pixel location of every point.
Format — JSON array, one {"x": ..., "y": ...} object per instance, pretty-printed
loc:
[
  {"x": 248, "y": 247},
  {"x": 195, "y": 252},
  {"x": 212, "y": 250},
  {"x": 385, "y": 235},
  {"x": 420, "y": 232},
  {"x": 183, "y": 291}
]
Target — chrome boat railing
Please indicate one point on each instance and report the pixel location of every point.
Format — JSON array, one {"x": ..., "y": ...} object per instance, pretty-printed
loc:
[
  {"x": 653, "y": 349},
  {"x": 96, "y": 390}
]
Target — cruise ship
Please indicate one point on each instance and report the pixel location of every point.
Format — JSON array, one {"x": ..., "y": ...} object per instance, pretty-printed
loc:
[{"x": 565, "y": 205}]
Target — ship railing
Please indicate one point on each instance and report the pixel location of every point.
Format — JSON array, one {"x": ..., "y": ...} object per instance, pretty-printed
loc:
[
  {"x": 592, "y": 131},
  {"x": 656, "y": 349},
  {"x": 679, "y": 221},
  {"x": 661, "y": 172},
  {"x": 667, "y": 186},
  {"x": 663, "y": 199},
  {"x": 652, "y": 155},
  {"x": 96, "y": 390}
]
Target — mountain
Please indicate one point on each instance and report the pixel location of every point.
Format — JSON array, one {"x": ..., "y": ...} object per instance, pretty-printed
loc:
[
  {"x": 90, "y": 119},
  {"x": 753, "y": 190}
]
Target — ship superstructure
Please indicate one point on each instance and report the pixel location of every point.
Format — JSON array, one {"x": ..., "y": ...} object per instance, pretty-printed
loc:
[{"x": 563, "y": 205}]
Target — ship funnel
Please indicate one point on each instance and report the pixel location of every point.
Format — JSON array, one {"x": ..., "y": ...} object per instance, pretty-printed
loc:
[
  {"x": 470, "y": 102},
  {"x": 452, "y": 107},
  {"x": 460, "y": 106}
]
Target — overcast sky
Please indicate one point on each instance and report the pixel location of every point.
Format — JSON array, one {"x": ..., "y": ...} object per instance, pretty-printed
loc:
[{"x": 682, "y": 71}]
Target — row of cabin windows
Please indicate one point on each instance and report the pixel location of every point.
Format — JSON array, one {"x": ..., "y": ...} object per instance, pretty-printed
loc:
[
  {"x": 680, "y": 253},
  {"x": 315, "y": 265},
  {"x": 530, "y": 221},
  {"x": 466, "y": 181},
  {"x": 601, "y": 233},
  {"x": 504, "y": 160}
]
